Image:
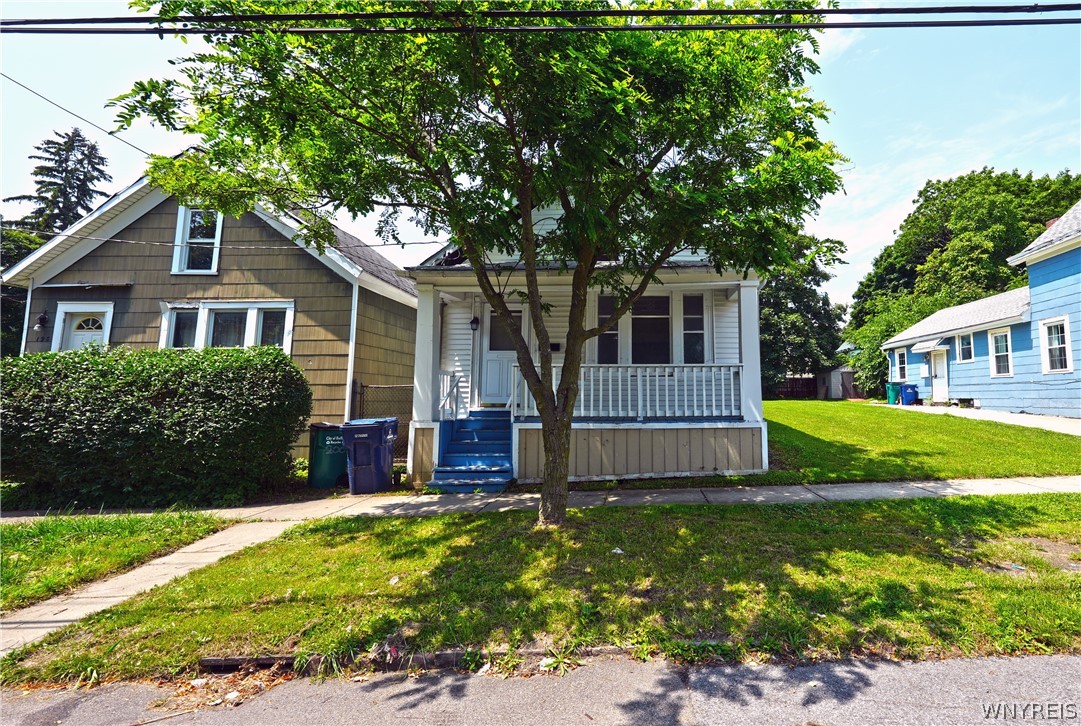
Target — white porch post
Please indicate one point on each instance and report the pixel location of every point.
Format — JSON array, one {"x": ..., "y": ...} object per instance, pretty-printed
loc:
[
  {"x": 751, "y": 381},
  {"x": 426, "y": 365}
]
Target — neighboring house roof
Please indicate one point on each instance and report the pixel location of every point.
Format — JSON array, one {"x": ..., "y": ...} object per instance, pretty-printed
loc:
[
  {"x": 351, "y": 259},
  {"x": 1006, "y": 307},
  {"x": 1065, "y": 230}
]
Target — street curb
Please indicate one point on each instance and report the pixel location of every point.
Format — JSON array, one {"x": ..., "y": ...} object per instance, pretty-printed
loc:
[{"x": 434, "y": 660}]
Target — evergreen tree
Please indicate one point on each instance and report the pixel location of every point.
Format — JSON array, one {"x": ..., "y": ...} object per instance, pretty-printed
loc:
[
  {"x": 65, "y": 181},
  {"x": 800, "y": 328}
]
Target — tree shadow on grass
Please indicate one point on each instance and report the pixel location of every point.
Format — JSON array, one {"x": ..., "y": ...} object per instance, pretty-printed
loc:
[{"x": 794, "y": 582}]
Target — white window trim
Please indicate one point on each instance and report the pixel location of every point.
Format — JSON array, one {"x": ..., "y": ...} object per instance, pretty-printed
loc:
[
  {"x": 1045, "y": 352},
  {"x": 897, "y": 355},
  {"x": 251, "y": 327},
  {"x": 972, "y": 347},
  {"x": 991, "y": 352},
  {"x": 180, "y": 244},
  {"x": 64, "y": 308},
  {"x": 675, "y": 315}
]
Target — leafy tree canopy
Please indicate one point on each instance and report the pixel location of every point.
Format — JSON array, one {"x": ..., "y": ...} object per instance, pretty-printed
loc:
[
  {"x": 950, "y": 250},
  {"x": 649, "y": 143},
  {"x": 985, "y": 216},
  {"x": 800, "y": 328},
  {"x": 65, "y": 180}
]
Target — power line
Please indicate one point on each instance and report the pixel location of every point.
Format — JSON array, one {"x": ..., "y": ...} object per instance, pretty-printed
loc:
[
  {"x": 548, "y": 14},
  {"x": 68, "y": 110},
  {"x": 513, "y": 29},
  {"x": 222, "y": 246}
]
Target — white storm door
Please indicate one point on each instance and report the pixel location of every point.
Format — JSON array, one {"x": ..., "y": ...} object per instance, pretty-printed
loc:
[
  {"x": 940, "y": 388},
  {"x": 497, "y": 359}
]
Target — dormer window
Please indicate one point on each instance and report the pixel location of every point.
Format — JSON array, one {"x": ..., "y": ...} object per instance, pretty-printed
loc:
[{"x": 198, "y": 242}]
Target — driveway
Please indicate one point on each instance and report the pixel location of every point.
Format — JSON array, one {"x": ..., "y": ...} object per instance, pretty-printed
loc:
[{"x": 1060, "y": 424}]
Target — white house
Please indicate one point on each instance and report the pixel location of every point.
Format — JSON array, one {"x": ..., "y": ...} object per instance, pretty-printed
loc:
[{"x": 674, "y": 391}]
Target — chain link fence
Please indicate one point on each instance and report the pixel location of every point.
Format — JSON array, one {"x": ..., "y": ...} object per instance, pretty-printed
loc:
[{"x": 388, "y": 402}]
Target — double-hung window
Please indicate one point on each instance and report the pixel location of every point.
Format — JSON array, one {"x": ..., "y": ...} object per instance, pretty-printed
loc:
[
  {"x": 651, "y": 330},
  {"x": 964, "y": 348},
  {"x": 694, "y": 329},
  {"x": 998, "y": 342},
  {"x": 1055, "y": 345},
  {"x": 198, "y": 242},
  {"x": 902, "y": 365},
  {"x": 227, "y": 324}
]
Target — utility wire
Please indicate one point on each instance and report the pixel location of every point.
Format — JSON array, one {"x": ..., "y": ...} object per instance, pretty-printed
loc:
[
  {"x": 68, "y": 110},
  {"x": 512, "y": 29},
  {"x": 550, "y": 14},
  {"x": 222, "y": 246}
]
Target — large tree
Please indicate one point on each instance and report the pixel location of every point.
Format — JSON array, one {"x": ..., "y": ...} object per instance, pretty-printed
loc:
[
  {"x": 651, "y": 143},
  {"x": 65, "y": 182},
  {"x": 800, "y": 327}
]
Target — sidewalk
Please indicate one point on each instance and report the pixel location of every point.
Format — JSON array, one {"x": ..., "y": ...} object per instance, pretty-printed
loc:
[
  {"x": 619, "y": 691},
  {"x": 263, "y": 523}
]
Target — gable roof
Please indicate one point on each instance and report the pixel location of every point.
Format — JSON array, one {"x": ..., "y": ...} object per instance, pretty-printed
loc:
[
  {"x": 351, "y": 258},
  {"x": 1010, "y": 306},
  {"x": 1065, "y": 230}
]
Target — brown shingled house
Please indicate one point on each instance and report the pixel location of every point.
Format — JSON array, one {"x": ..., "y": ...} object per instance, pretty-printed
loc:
[{"x": 144, "y": 271}]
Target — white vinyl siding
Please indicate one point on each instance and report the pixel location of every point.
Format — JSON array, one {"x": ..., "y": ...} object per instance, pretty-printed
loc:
[
  {"x": 725, "y": 327},
  {"x": 457, "y": 343}
]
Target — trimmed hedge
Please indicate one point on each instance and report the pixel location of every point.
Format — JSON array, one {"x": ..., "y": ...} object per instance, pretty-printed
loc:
[{"x": 118, "y": 427}]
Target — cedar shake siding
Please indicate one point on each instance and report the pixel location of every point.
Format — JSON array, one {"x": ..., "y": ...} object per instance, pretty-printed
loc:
[{"x": 140, "y": 281}]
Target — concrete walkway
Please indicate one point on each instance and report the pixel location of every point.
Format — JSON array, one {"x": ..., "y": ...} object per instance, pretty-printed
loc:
[
  {"x": 1060, "y": 424},
  {"x": 616, "y": 691},
  {"x": 263, "y": 523}
]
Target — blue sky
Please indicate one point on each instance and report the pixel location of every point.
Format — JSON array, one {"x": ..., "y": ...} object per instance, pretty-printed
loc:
[{"x": 908, "y": 105}]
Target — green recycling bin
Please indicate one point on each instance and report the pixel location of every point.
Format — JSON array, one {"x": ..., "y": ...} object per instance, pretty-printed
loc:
[
  {"x": 893, "y": 393},
  {"x": 327, "y": 466}
]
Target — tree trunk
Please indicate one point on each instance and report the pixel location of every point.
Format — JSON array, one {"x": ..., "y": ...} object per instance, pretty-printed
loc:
[{"x": 556, "y": 435}]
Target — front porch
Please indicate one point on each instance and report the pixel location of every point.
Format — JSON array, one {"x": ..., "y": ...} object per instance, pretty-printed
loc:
[{"x": 679, "y": 378}]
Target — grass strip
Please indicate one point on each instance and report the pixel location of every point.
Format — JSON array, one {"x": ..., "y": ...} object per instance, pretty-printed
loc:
[
  {"x": 51, "y": 555},
  {"x": 902, "y": 579}
]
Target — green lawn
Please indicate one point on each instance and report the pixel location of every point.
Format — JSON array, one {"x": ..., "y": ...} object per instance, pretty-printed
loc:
[
  {"x": 904, "y": 578},
  {"x": 822, "y": 442},
  {"x": 54, "y": 554}
]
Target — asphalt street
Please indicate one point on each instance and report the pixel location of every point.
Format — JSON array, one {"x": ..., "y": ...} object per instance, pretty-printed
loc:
[{"x": 1044, "y": 689}]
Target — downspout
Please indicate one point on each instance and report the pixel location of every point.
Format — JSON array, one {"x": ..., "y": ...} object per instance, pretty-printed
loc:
[
  {"x": 26, "y": 317},
  {"x": 351, "y": 359}
]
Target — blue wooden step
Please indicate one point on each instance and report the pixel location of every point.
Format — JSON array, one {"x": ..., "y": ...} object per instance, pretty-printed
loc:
[
  {"x": 468, "y": 486},
  {"x": 496, "y": 413},
  {"x": 443, "y": 473},
  {"x": 479, "y": 447},
  {"x": 460, "y": 434},
  {"x": 483, "y": 423},
  {"x": 483, "y": 460}
]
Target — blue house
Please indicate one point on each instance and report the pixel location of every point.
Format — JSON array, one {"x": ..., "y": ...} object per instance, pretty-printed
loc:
[{"x": 1017, "y": 351}]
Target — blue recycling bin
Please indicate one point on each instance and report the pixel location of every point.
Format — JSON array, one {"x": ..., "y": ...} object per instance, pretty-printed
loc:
[
  {"x": 369, "y": 451},
  {"x": 909, "y": 393}
]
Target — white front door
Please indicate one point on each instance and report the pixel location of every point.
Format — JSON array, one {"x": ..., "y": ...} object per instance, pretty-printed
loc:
[
  {"x": 940, "y": 384},
  {"x": 497, "y": 360},
  {"x": 81, "y": 329}
]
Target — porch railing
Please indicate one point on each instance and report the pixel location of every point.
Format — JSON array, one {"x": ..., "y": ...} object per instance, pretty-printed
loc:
[
  {"x": 450, "y": 396},
  {"x": 644, "y": 392}
]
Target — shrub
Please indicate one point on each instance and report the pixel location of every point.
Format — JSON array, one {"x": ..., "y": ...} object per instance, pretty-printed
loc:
[{"x": 118, "y": 427}]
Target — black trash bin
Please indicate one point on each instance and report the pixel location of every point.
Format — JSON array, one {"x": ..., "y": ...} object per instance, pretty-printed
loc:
[
  {"x": 369, "y": 447},
  {"x": 327, "y": 462}
]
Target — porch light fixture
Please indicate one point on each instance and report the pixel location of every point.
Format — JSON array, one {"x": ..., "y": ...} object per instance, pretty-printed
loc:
[
  {"x": 474, "y": 324},
  {"x": 43, "y": 320}
]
